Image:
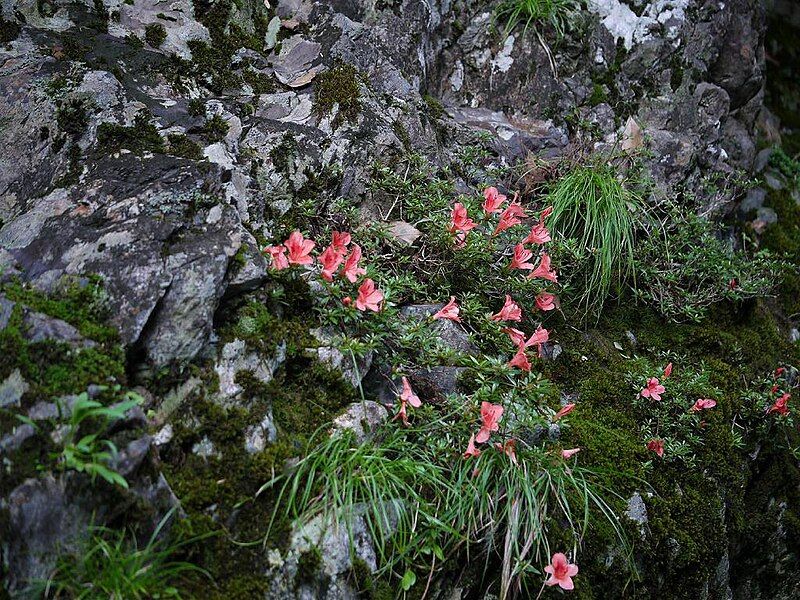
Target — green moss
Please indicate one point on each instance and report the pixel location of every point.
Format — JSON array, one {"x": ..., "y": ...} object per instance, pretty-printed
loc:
[
  {"x": 284, "y": 153},
  {"x": 308, "y": 566},
  {"x": 140, "y": 137},
  {"x": 155, "y": 34},
  {"x": 215, "y": 128},
  {"x": 72, "y": 116},
  {"x": 339, "y": 86},
  {"x": 366, "y": 584}
]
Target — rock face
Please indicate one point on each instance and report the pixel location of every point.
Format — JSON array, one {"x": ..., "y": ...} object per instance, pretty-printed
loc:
[{"x": 154, "y": 145}]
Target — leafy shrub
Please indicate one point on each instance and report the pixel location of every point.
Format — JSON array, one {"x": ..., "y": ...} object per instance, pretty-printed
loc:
[
  {"x": 555, "y": 14},
  {"x": 687, "y": 268}
]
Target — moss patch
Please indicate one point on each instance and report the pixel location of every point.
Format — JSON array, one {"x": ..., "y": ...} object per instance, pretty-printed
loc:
[{"x": 339, "y": 86}]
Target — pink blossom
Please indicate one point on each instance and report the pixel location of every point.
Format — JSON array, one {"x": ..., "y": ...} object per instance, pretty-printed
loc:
[
  {"x": 459, "y": 220},
  {"x": 351, "y": 269},
  {"x": 561, "y": 572},
  {"x": 565, "y": 410},
  {"x": 703, "y": 403},
  {"x": 668, "y": 370},
  {"x": 449, "y": 311},
  {"x": 517, "y": 336},
  {"x": 341, "y": 239},
  {"x": 657, "y": 446},
  {"x": 653, "y": 389},
  {"x": 546, "y": 213},
  {"x": 538, "y": 235},
  {"x": 539, "y": 337},
  {"x": 521, "y": 257},
  {"x": 299, "y": 249},
  {"x": 545, "y": 301},
  {"x": 543, "y": 271},
  {"x": 567, "y": 454},
  {"x": 490, "y": 420},
  {"x": 780, "y": 405},
  {"x": 510, "y": 311},
  {"x": 347, "y": 300},
  {"x": 471, "y": 449},
  {"x": 510, "y": 217},
  {"x": 492, "y": 200},
  {"x": 520, "y": 361},
  {"x": 408, "y": 394},
  {"x": 369, "y": 298},
  {"x": 330, "y": 260},
  {"x": 779, "y": 371},
  {"x": 278, "y": 256}
]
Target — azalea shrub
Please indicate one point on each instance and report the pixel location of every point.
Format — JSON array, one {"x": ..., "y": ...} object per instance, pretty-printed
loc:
[
  {"x": 766, "y": 412},
  {"x": 685, "y": 268}
]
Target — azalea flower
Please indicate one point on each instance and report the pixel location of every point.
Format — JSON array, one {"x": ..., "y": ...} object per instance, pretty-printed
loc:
[
  {"x": 703, "y": 403},
  {"x": 299, "y": 249},
  {"x": 509, "y": 448},
  {"x": 517, "y": 336},
  {"x": 567, "y": 454},
  {"x": 471, "y": 449},
  {"x": 351, "y": 269},
  {"x": 347, "y": 300},
  {"x": 653, "y": 389},
  {"x": 510, "y": 311},
  {"x": 733, "y": 284},
  {"x": 561, "y": 572},
  {"x": 657, "y": 446},
  {"x": 538, "y": 235},
  {"x": 521, "y": 257},
  {"x": 330, "y": 260},
  {"x": 492, "y": 200},
  {"x": 545, "y": 301},
  {"x": 278, "y": 256},
  {"x": 539, "y": 337},
  {"x": 369, "y": 298},
  {"x": 668, "y": 370},
  {"x": 546, "y": 213},
  {"x": 543, "y": 271},
  {"x": 490, "y": 420},
  {"x": 779, "y": 371},
  {"x": 565, "y": 410},
  {"x": 460, "y": 221},
  {"x": 407, "y": 396},
  {"x": 449, "y": 311},
  {"x": 781, "y": 405},
  {"x": 341, "y": 239},
  {"x": 520, "y": 360},
  {"x": 510, "y": 217}
]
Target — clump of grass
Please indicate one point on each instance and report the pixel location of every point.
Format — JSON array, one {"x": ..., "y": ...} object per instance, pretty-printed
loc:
[
  {"x": 111, "y": 565},
  {"x": 598, "y": 214},
  {"x": 555, "y": 14}
]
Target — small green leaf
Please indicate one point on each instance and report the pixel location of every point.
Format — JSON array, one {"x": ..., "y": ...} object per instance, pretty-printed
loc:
[{"x": 409, "y": 579}]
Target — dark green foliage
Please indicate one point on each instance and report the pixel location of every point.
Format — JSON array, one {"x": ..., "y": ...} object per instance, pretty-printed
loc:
[
  {"x": 339, "y": 86},
  {"x": 181, "y": 145},
  {"x": 9, "y": 30},
  {"x": 139, "y": 138},
  {"x": 215, "y": 128},
  {"x": 155, "y": 34}
]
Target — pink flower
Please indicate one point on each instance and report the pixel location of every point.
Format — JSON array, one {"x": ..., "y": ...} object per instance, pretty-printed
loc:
[
  {"x": 539, "y": 337},
  {"x": 521, "y": 257},
  {"x": 330, "y": 260},
  {"x": 278, "y": 256},
  {"x": 408, "y": 395},
  {"x": 299, "y": 249},
  {"x": 471, "y": 449},
  {"x": 510, "y": 217},
  {"x": 657, "y": 446},
  {"x": 781, "y": 405},
  {"x": 544, "y": 271},
  {"x": 517, "y": 336},
  {"x": 561, "y": 572},
  {"x": 703, "y": 403},
  {"x": 510, "y": 311},
  {"x": 565, "y": 410},
  {"x": 545, "y": 301},
  {"x": 351, "y": 269},
  {"x": 341, "y": 239},
  {"x": 490, "y": 420},
  {"x": 779, "y": 371},
  {"x": 668, "y": 370},
  {"x": 538, "y": 235},
  {"x": 509, "y": 448},
  {"x": 567, "y": 454},
  {"x": 347, "y": 300},
  {"x": 653, "y": 389},
  {"x": 520, "y": 361},
  {"x": 492, "y": 200},
  {"x": 369, "y": 298},
  {"x": 459, "y": 220},
  {"x": 449, "y": 311},
  {"x": 546, "y": 213}
]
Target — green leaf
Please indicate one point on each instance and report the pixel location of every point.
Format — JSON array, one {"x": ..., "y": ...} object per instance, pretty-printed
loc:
[{"x": 409, "y": 579}]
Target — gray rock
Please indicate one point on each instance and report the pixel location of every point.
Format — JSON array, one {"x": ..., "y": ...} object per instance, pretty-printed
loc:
[
  {"x": 754, "y": 200},
  {"x": 449, "y": 333},
  {"x": 259, "y": 435},
  {"x": 12, "y": 389},
  {"x": 362, "y": 418},
  {"x": 327, "y": 353},
  {"x": 235, "y": 357},
  {"x": 205, "y": 448},
  {"x": 767, "y": 215}
]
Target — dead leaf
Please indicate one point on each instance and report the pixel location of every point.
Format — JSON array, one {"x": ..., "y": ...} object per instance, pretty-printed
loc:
[
  {"x": 404, "y": 232},
  {"x": 632, "y": 138}
]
